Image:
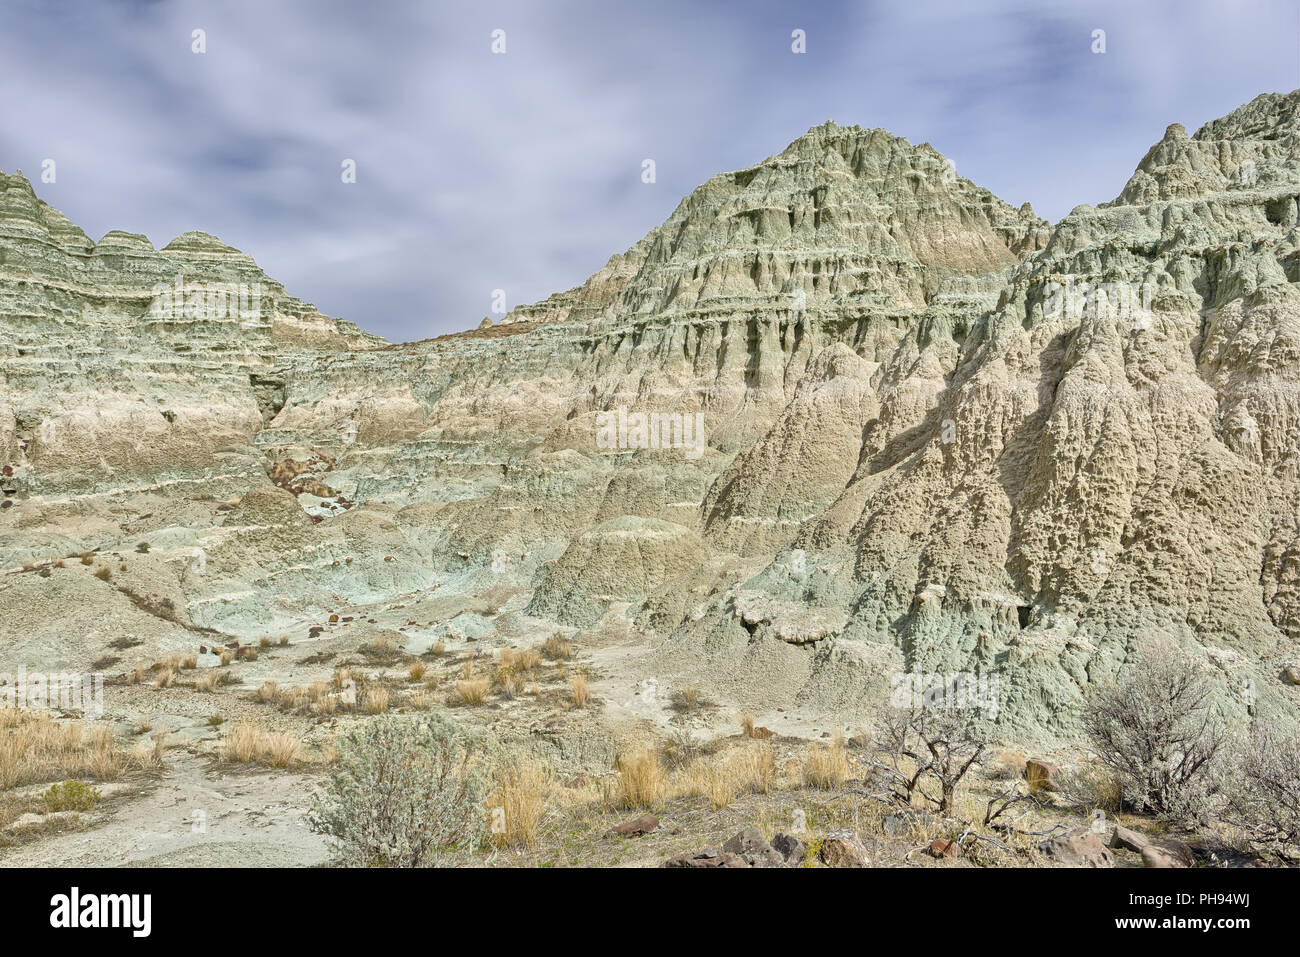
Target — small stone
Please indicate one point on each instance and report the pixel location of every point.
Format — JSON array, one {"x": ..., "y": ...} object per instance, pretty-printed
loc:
[
  {"x": 789, "y": 847},
  {"x": 1041, "y": 775},
  {"x": 1080, "y": 847},
  {"x": 941, "y": 847},
  {"x": 638, "y": 825},
  {"x": 1168, "y": 854},
  {"x": 1128, "y": 839},
  {"x": 844, "y": 849},
  {"x": 753, "y": 847}
]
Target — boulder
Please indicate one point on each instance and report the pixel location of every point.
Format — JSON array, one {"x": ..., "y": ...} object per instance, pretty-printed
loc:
[
  {"x": 706, "y": 859},
  {"x": 1168, "y": 854},
  {"x": 750, "y": 845},
  {"x": 789, "y": 847},
  {"x": 844, "y": 849},
  {"x": 1129, "y": 840},
  {"x": 1079, "y": 847},
  {"x": 941, "y": 847},
  {"x": 1041, "y": 775}
]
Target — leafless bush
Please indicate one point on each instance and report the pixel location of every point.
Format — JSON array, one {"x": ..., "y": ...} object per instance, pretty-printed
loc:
[
  {"x": 926, "y": 746},
  {"x": 1266, "y": 802},
  {"x": 1160, "y": 733}
]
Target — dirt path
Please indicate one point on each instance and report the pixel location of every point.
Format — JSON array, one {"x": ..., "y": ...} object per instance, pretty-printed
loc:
[{"x": 193, "y": 817}]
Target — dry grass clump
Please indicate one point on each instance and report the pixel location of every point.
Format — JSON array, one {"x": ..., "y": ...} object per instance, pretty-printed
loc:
[
  {"x": 1008, "y": 764},
  {"x": 557, "y": 648},
  {"x": 316, "y": 697},
  {"x": 207, "y": 682},
  {"x": 468, "y": 691},
  {"x": 579, "y": 690},
  {"x": 530, "y": 659},
  {"x": 721, "y": 778},
  {"x": 383, "y": 648},
  {"x": 511, "y": 685},
  {"x": 826, "y": 766},
  {"x": 689, "y": 699},
  {"x": 227, "y": 656},
  {"x": 104, "y": 573},
  {"x": 439, "y": 648},
  {"x": 374, "y": 700},
  {"x": 640, "y": 778},
  {"x": 39, "y": 748},
  {"x": 423, "y": 701},
  {"x": 146, "y": 755},
  {"x": 164, "y": 678},
  {"x": 517, "y": 802},
  {"x": 247, "y": 743},
  {"x": 416, "y": 670}
]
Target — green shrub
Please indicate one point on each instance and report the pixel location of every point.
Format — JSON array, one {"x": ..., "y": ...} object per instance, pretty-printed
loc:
[
  {"x": 70, "y": 796},
  {"x": 403, "y": 792}
]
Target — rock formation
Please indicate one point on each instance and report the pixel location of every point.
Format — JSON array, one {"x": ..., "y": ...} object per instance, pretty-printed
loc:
[{"x": 936, "y": 433}]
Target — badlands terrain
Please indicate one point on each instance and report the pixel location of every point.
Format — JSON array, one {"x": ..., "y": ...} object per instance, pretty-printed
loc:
[{"x": 845, "y": 416}]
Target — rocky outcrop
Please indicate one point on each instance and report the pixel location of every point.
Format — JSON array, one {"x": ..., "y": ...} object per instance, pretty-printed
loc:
[{"x": 843, "y": 415}]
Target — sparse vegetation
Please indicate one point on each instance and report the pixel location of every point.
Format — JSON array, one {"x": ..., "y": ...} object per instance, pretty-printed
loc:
[
  {"x": 640, "y": 778},
  {"x": 70, "y": 796},
  {"x": 248, "y": 742},
  {"x": 39, "y": 748},
  {"x": 403, "y": 792},
  {"x": 579, "y": 690},
  {"x": 1159, "y": 732},
  {"x": 557, "y": 648},
  {"x": 518, "y": 802},
  {"x": 826, "y": 766}
]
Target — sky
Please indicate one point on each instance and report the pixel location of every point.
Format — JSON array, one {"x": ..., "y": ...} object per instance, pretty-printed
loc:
[{"x": 521, "y": 171}]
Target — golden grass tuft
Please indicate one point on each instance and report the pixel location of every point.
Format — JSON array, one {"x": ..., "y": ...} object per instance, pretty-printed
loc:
[
  {"x": 579, "y": 690},
  {"x": 417, "y": 670},
  {"x": 35, "y": 748},
  {"x": 826, "y": 766},
  {"x": 469, "y": 691},
  {"x": 518, "y": 802},
  {"x": 250, "y": 743},
  {"x": 374, "y": 700},
  {"x": 557, "y": 648},
  {"x": 640, "y": 778}
]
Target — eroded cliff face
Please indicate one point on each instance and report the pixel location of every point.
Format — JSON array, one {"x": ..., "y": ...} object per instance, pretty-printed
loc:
[{"x": 904, "y": 426}]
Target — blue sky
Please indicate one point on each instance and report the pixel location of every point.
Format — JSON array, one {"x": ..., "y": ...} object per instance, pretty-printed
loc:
[{"x": 522, "y": 171}]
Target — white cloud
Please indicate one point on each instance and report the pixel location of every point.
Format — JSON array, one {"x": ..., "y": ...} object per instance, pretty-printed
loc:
[{"x": 478, "y": 172}]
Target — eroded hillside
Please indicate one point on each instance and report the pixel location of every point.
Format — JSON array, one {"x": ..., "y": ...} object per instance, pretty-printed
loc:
[{"x": 905, "y": 426}]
